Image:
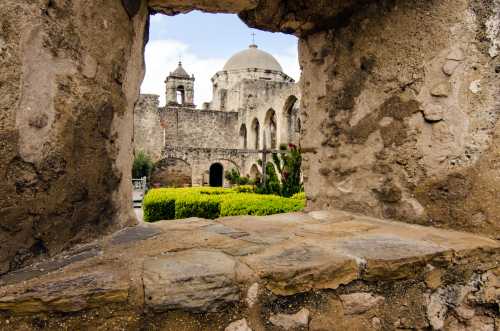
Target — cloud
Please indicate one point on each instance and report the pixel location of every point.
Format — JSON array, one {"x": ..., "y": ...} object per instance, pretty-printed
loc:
[
  {"x": 162, "y": 56},
  {"x": 289, "y": 60}
]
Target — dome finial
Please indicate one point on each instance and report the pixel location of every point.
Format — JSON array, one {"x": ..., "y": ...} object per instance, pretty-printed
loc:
[{"x": 253, "y": 44}]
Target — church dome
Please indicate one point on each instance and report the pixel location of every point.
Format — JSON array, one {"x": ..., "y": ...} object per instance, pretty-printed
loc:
[{"x": 252, "y": 58}]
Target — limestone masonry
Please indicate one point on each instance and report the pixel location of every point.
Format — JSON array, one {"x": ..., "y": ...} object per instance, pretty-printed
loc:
[
  {"x": 399, "y": 119},
  {"x": 319, "y": 271},
  {"x": 254, "y": 105}
]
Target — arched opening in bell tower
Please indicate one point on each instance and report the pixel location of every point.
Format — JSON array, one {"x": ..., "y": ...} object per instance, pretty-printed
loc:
[{"x": 180, "y": 95}]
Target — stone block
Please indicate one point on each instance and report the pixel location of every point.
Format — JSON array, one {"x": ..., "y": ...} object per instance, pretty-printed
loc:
[
  {"x": 291, "y": 321},
  {"x": 192, "y": 280},
  {"x": 358, "y": 303}
]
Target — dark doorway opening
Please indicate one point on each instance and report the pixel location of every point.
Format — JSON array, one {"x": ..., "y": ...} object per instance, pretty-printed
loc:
[{"x": 216, "y": 175}]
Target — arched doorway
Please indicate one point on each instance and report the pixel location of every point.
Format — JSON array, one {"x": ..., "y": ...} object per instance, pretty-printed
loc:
[{"x": 216, "y": 175}]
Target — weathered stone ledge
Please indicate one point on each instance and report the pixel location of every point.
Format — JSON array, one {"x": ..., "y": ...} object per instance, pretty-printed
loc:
[{"x": 246, "y": 263}]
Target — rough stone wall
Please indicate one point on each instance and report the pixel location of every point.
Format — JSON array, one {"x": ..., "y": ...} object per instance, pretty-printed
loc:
[
  {"x": 69, "y": 72},
  {"x": 402, "y": 108},
  {"x": 148, "y": 131},
  {"x": 200, "y": 160},
  {"x": 185, "y": 127}
]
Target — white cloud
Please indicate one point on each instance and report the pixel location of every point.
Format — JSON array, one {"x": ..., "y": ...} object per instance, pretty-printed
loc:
[
  {"x": 161, "y": 58},
  {"x": 289, "y": 60}
]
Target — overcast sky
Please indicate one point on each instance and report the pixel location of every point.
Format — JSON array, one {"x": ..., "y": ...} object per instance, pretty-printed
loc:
[{"x": 204, "y": 42}]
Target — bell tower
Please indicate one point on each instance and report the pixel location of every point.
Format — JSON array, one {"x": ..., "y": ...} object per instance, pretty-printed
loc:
[{"x": 180, "y": 88}]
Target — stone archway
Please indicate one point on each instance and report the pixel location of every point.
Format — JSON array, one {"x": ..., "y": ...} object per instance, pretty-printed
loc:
[
  {"x": 401, "y": 122},
  {"x": 68, "y": 96},
  {"x": 216, "y": 173},
  {"x": 255, "y": 173},
  {"x": 171, "y": 172}
]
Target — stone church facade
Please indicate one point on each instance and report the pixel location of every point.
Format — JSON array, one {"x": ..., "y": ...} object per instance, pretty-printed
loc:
[{"x": 255, "y": 105}]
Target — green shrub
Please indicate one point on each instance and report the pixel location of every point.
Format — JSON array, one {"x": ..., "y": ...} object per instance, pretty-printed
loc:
[
  {"x": 288, "y": 166},
  {"x": 299, "y": 196},
  {"x": 244, "y": 189},
  {"x": 258, "y": 204},
  {"x": 177, "y": 203},
  {"x": 234, "y": 177},
  {"x": 272, "y": 184},
  {"x": 157, "y": 205},
  {"x": 205, "y": 206}
]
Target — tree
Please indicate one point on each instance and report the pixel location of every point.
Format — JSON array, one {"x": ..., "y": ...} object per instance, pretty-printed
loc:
[{"x": 142, "y": 166}]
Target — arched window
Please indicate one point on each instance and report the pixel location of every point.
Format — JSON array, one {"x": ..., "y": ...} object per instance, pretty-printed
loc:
[
  {"x": 291, "y": 117},
  {"x": 243, "y": 136},
  {"x": 256, "y": 133},
  {"x": 180, "y": 95},
  {"x": 223, "y": 99},
  {"x": 270, "y": 125}
]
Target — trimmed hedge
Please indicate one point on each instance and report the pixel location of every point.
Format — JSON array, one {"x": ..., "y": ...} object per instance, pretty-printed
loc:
[
  {"x": 197, "y": 205},
  {"x": 177, "y": 203},
  {"x": 299, "y": 196},
  {"x": 157, "y": 205},
  {"x": 258, "y": 204},
  {"x": 244, "y": 189}
]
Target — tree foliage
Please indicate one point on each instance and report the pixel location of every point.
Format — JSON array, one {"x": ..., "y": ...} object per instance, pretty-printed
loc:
[
  {"x": 288, "y": 167},
  {"x": 143, "y": 165},
  {"x": 234, "y": 177},
  {"x": 272, "y": 184}
]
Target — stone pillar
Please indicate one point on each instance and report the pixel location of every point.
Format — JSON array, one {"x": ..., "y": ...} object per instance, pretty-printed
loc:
[
  {"x": 148, "y": 129},
  {"x": 70, "y": 72},
  {"x": 402, "y": 104}
]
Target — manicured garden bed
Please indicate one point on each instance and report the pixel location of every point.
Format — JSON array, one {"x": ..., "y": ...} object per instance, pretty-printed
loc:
[{"x": 208, "y": 202}]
